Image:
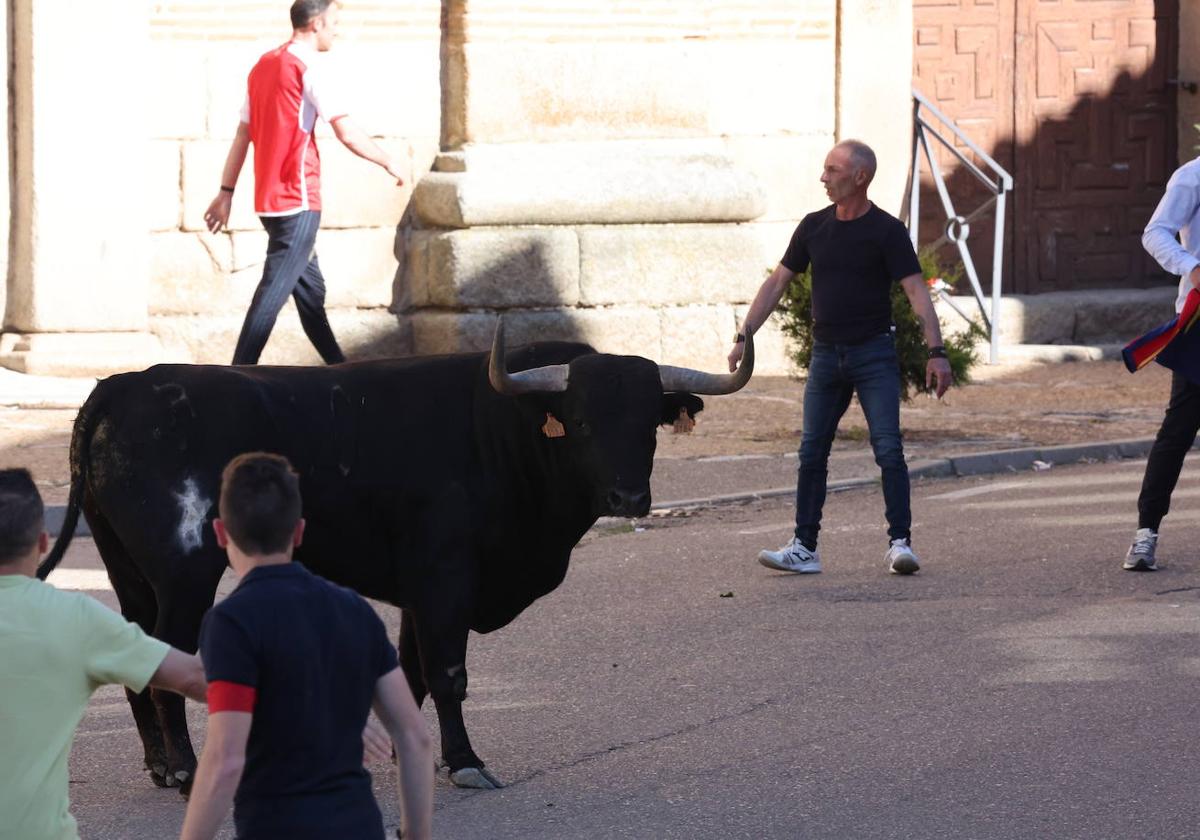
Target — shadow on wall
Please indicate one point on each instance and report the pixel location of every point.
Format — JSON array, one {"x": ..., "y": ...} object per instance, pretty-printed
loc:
[
  {"x": 1085, "y": 181},
  {"x": 532, "y": 282}
]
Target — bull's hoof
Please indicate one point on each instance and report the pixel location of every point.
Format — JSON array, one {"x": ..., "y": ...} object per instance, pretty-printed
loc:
[
  {"x": 184, "y": 779},
  {"x": 158, "y": 775},
  {"x": 475, "y": 777}
]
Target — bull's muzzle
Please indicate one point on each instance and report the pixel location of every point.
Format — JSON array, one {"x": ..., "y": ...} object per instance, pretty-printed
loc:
[{"x": 628, "y": 502}]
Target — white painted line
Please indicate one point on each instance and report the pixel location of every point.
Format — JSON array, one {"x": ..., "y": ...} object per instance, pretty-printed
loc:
[
  {"x": 1093, "y": 499},
  {"x": 979, "y": 491},
  {"x": 720, "y": 459},
  {"x": 767, "y": 529},
  {"x": 1106, "y": 520},
  {"x": 82, "y": 580}
]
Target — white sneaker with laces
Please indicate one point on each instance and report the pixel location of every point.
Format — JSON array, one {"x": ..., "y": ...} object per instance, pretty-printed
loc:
[
  {"x": 793, "y": 557},
  {"x": 900, "y": 558},
  {"x": 1140, "y": 557}
]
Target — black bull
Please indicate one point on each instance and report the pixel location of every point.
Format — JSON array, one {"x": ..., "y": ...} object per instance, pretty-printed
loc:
[{"x": 443, "y": 485}]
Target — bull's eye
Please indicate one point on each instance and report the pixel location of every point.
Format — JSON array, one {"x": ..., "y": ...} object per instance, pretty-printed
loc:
[{"x": 581, "y": 425}]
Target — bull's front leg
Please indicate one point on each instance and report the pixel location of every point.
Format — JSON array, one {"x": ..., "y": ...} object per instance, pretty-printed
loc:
[{"x": 443, "y": 664}]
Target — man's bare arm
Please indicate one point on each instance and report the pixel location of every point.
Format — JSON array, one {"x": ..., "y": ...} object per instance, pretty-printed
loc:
[
  {"x": 182, "y": 673},
  {"x": 217, "y": 214},
  {"x": 936, "y": 370},
  {"x": 217, "y": 777},
  {"x": 399, "y": 714},
  {"x": 768, "y": 297},
  {"x": 357, "y": 141}
]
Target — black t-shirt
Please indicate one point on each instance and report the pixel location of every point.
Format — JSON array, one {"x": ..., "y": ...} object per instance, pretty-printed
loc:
[
  {"x": 313, "y": 652},
  {"x": 854, "y": 265}
]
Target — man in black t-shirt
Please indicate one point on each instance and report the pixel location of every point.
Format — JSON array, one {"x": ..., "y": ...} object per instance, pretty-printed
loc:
[
  {"x": 294, "y": 666},
  {"x": 856, "y": 252}
]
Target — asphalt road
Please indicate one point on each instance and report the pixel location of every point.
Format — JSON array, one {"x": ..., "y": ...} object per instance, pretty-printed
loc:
[{"x": 1021, "y": 686}]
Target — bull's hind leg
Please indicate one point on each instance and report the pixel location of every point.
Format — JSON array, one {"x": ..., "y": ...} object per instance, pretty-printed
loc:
[
  {"x": 138, "y": 605},
  {"x": 410, "y": 656},
  {"x": 183, "y": 598}
]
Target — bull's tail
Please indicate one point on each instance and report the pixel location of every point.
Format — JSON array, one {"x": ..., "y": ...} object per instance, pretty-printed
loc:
[{"x": 81, "y": 442}]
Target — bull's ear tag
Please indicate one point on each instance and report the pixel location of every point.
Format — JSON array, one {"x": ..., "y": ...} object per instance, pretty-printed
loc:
[
  {"x": 684, "y": 424},
  {"x": 553, "y": 428}
]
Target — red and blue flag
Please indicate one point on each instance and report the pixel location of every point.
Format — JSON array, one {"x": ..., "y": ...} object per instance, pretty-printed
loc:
[{"x": 1174, "y": 345}]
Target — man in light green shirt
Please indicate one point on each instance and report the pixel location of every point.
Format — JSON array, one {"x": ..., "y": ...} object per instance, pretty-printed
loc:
[{"x": 56, "y": 648}]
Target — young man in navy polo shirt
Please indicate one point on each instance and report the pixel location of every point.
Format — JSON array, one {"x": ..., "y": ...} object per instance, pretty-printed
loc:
[{"x": 294, "y": 665}]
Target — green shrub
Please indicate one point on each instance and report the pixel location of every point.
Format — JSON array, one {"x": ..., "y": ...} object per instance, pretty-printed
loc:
[{"x": 796, "y": 311}]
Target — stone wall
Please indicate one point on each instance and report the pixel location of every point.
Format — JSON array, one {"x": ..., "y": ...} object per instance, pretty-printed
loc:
[
  {"x": 625, "y": 172},
  {"x": 387, "y": 58},
  {"x": 641, "y": 165}
]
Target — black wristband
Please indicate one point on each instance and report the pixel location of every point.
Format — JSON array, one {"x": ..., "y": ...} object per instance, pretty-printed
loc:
[
  {"x": 739, "y": 338},
  {"x": 226, "y": 189},
  {"x": 938, "y": 352}
]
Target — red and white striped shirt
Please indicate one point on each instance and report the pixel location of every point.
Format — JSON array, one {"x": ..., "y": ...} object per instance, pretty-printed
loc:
[{"x": 286, "y": 91}]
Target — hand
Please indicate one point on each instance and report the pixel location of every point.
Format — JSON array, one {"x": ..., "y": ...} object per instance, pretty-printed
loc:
[
  {"x": 938, "y": 370},
  {"x": 217, "y": 214},
  {"x": 377, "y": 744},
  {"x": 1194, "y": 277},
  {"x": 735, "y": 355},
  {"x": 393, "y": 168}
]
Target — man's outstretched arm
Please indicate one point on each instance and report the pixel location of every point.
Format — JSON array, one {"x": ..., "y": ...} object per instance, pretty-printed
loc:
[
  {"x": 357, "y": 141},
  {"x": 768, "y": 297},
  {"x": 182, "y": 673}
]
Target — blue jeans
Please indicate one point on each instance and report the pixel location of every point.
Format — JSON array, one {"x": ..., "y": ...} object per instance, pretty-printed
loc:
[{"x": 835, "y": 373}]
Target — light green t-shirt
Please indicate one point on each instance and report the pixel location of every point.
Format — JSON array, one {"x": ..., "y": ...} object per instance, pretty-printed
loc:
[{"x": 56, "y": 648}]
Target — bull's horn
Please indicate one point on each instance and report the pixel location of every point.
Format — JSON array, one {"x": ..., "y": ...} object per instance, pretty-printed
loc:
[
  {"x": 699, "y": 382},
  {"x": 548, "y": 378}
]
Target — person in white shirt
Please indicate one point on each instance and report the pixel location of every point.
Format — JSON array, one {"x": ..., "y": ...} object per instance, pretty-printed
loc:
[{"x": 1177, "y": 213}]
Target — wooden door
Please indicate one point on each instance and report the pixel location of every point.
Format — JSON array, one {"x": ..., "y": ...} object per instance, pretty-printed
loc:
[
  {"x": 1095, "y": 122},
  {"x": 963, "y": 61},
  {"x": 1071, "y": 97}
]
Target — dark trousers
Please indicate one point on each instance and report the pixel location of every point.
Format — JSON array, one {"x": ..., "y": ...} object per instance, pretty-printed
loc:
[
  {"x": 835, "y": 373},
  {"x": 291, "y": 269},
  {"x": 1175, "y": 438}
]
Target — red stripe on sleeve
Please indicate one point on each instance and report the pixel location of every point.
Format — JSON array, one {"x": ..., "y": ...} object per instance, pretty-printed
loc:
[{"x": 224, "y": 696}]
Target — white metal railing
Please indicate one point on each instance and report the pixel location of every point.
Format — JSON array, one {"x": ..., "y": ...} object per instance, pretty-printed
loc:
[{"x": 998, "y": 181}]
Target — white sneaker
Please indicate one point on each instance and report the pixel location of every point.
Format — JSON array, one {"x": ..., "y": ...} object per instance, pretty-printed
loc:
[
  {"x": 900, "y": 558},
  {"x": 793, "y": 557},
  {"x": 1140, "y": 557}
]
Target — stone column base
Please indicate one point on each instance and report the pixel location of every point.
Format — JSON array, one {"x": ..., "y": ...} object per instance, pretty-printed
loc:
[{"x": 79, "y": 354}]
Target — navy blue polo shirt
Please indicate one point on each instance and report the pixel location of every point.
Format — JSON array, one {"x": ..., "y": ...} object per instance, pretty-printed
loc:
[{"x": 306, "y": 654}]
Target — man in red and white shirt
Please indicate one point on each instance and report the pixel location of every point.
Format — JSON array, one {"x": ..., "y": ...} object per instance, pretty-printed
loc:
[{"x": 287, "y": 91}]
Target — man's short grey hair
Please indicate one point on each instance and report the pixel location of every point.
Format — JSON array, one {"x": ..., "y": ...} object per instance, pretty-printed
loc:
[
  {"x": 305, "y": 11},
  {"x": 862, "y": 157}
]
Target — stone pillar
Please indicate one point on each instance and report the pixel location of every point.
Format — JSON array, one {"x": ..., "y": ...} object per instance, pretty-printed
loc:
[
  {"x": 874, "y": 88},
  {"x": 623, "y": 174},
  {"x": 77, "y": 278}
]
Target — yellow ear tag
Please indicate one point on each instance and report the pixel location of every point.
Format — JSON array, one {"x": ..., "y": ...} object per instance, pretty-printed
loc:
[
  {"x": 553, "y": 428},
  {"x": 684, "y": 424}
]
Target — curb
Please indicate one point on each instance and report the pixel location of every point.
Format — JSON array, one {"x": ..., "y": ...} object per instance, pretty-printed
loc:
[{"x": 959, "y": 466}]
